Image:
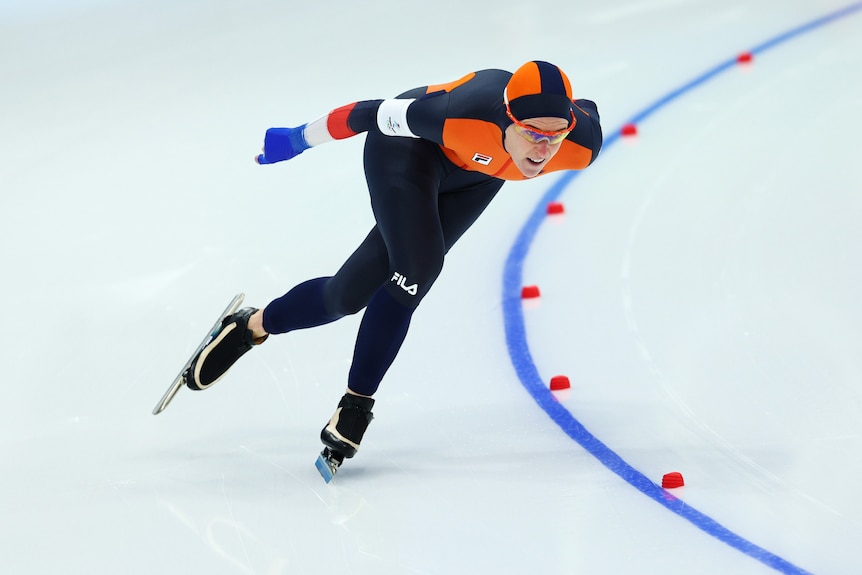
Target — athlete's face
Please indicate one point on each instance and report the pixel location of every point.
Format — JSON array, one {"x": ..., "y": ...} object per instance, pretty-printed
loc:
[{"x": 531, "y": 157}]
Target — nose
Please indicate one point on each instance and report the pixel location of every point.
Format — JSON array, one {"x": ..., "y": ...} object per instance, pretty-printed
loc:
[{"x": 543, "y": 147}]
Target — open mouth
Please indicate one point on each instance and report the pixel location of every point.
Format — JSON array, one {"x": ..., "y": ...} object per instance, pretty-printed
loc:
[{"x": 536, "y": 162}]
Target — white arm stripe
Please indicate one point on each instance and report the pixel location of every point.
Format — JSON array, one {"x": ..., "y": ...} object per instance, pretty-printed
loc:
[
  {"x": 317, "y": 132},
  {"x": 392, "y": 118}
]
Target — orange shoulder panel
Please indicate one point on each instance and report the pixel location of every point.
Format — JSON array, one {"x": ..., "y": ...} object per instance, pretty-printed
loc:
[{"x": 451, "y": 85}]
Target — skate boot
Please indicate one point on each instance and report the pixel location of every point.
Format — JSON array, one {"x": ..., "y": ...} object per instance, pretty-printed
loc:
[
  {"x": 227, "y": 345},
  {"x": 344, "y": 432}
]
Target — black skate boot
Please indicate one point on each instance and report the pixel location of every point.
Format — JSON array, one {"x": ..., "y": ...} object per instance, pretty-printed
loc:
[
  {"x": 228, "y": 344},
  {"x": 344, "y": 432}
]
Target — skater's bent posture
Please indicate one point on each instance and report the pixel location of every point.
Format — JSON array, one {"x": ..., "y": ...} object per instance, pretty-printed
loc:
[{"x": 434, "y": 158}]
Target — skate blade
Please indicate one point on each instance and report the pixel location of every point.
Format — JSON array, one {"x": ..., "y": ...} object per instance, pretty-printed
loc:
[
  {"x": 327, "y": 464},
  {"x": 170, "y": 393},
  {"x": 180, "y": 380},
  {"x": 323, "y": 467}
]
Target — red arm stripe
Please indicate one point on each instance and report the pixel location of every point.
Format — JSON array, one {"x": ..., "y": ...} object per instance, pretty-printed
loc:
[{"x": 337, "y": 124}]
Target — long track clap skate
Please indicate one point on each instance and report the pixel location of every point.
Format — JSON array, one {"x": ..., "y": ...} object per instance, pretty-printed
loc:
[
  {"x": 180, "y": 380},
  {"x": 343, "y": 433}
]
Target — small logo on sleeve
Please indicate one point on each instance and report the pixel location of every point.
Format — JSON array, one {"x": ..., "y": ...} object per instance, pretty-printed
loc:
[
  {"x": 393, "y": 125},
  {"x": 482, "y": 159}
]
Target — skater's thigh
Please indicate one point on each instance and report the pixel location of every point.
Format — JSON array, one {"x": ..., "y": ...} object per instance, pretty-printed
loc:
[{"x": 403, "y": 178}]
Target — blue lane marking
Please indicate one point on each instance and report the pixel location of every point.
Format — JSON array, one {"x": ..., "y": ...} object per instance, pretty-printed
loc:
[{"x": 525, "y": 367}]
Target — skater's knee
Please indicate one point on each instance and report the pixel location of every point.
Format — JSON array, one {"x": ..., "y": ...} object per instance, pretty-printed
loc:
[{"x": 410, "y": 287}]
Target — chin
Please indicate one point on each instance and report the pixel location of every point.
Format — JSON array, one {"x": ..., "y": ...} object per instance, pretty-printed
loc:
[{"x": 530, "y": 171}]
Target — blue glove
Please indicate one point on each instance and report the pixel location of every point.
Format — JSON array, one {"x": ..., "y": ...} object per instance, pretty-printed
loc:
[{"x": 281, "y": 144}]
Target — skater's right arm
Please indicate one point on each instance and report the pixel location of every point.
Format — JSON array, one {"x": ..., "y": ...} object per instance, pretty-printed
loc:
[
  {"x": 281, "y": 144},
  {"x": 389, "y": 117}
]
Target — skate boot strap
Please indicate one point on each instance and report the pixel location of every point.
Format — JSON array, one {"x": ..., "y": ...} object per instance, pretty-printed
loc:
[
  {"x": 345, "y": 430},
  {"x": 364, "y": 404},
  {"x": 241, "y": 319}
]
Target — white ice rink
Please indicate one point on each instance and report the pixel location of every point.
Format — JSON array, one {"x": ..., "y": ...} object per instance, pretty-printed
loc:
[{"x": 701, "y": 292}]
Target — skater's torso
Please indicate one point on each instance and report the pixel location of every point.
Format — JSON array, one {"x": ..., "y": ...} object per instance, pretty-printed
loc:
[{"x": 467, "y": 118}]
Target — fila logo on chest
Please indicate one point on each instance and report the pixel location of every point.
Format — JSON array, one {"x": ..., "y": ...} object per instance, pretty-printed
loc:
[{"x": 482, "y": 159}]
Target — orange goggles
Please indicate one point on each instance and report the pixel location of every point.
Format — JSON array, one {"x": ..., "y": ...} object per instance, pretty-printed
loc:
[{"x": 534, "y": 135}]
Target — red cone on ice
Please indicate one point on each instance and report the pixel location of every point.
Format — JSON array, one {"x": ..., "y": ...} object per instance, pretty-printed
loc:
[
  {"x": 672, "y": 480},
  {"x": 555, "y": 208},
  {"x": 744, "y": 58},
  {"x": 529, "y": 292},
  {"x": 560, "y": 382},
  {"x": 629, "y": 130}
]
